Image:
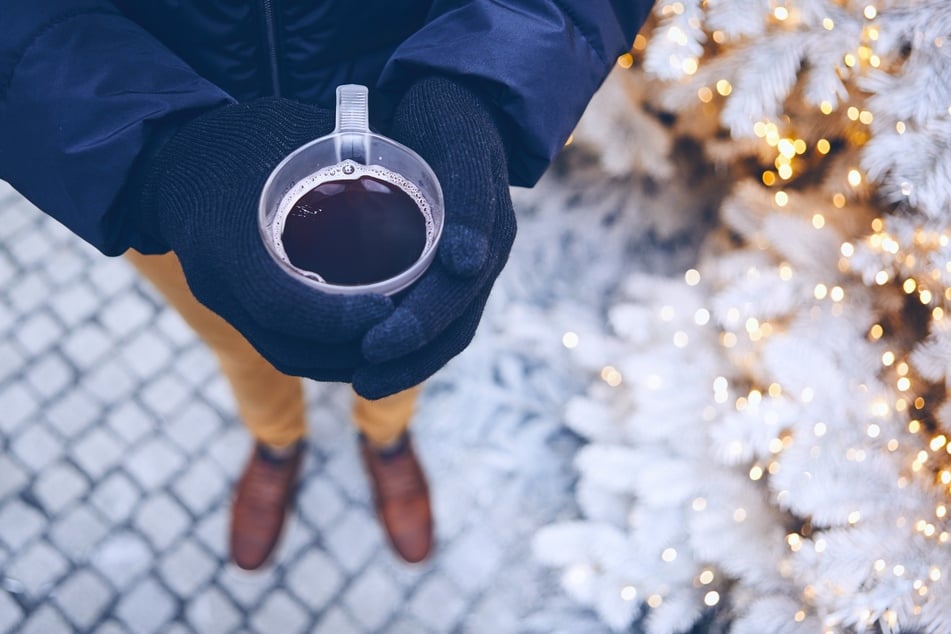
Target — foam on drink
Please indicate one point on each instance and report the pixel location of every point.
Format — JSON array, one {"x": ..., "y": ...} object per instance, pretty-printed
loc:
[{"x": 353, "y": 224}]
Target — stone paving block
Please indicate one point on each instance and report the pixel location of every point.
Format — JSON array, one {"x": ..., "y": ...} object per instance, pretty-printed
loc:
[
  {"x": 7, "y": 318},
  {"x": 44, "y": 621},
  {"x": 279, "y": 613},
  {"x": 18, "y": 403},
  {"x": 212, "y": 530},
  {"x": 29, "y": 248},
  {"x": 230, "y": 449},
  {"x": 111, "y": 627},
  {"x": 165, "y": 394},
  {"x": 202, "y": 484},
  {"x": 346, "y": 470},
  {"x": 7, "y": 270},
  {"x": 372, "y": 598},
  {"x": 29, "y": 292},
  {"x": 196, "y": 364},
  {"x": 146, "y": 354},
  {"x": 86, "y": 345},
  {"x": 126, "y": 313},
  {"x": 74, "y": 304},
  {"x": 11, "y": 360},
  {"x": 193, "y": 427},
  {"x": 247, "y": 589},
  {"x": 218, "y": 393},
  {"x": 97, "y": 452},
  {"x": 110, "y": 381},
  {"x": 58, "y": 234},
  {"x": 297, "y": 538},
  {"x": 12, "y": 476},
  {"x": 162, "y": 520},
  {"x": 354, "y": 538},
  {"x": 73, "y": 412},
  {"x": 37, "y": 567},
  {"x": 82, "y": 597},
  {"x": 472, "y": 559},
  {"x": 36, "y": 448},
  {"x": 409, "y": 625},
  {"x": 16, "y": 216},
  {"x": 212, "y": 612},
  {"x": 10, "y": 613},
  {"x": 335, "y": 621},
  {"x": 115, "y": 497},
  {"x": 186, "y": 568},
  {"x": 173, "y": 327},
  {"x": 19, "y": 523},
  {"x": 492, "y": 614},
  {"x": 147, "y": 608},
  {"x": 109, "y": 276},
  {"x": 122, "y": 557},
  {"x": 154, "y": 462},
  {"x": 64, "y": 266},
  {"x": 319, "y": 502},
  {"x": 50, "y": 375},
  {"x": 315, "y": 579},
  {"x": 438, "y": 603},
  {"x": 130, "y": 421},
  {"x": 58, "y": 486},
  {"x": 77, "y": 532}
]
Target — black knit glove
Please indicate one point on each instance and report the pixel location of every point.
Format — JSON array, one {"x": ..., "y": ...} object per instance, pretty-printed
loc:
[
  {"x": 453, "y": 130},
  {"x": 200, "y": 197}
]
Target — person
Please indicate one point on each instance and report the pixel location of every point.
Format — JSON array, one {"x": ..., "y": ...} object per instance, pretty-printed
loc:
[{"x": 149, "y": 128}]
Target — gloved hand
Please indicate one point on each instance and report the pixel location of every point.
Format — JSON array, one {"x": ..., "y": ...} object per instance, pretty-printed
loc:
[
  {"x": 454, "y": 131},
  {"x": 200, "y": 197}
]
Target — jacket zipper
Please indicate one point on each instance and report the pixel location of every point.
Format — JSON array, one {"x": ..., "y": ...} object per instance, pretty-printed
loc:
[{"x": 268, "y": 7}]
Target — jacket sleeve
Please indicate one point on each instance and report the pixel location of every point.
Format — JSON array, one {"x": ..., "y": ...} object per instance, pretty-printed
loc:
[
  {"x": 82, "y": 89},
  {"x": 539, "y": 62}
]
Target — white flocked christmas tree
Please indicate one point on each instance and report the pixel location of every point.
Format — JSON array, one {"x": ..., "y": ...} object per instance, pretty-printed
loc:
[{"x": 767, "y": 434}]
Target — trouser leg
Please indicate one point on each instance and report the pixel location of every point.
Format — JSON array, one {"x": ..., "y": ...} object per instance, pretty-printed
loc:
[{"x": 384, "y": 420}]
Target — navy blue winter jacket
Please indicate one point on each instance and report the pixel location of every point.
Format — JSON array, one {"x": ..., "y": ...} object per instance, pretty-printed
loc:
[{"x": 85, "y": 84}]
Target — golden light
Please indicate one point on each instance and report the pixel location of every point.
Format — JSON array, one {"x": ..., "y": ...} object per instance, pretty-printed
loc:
[
  {"x": 705, "y": 94},
  {"x": 828, "y": 24},
  {"x": 855, "y": 177},
  {"x": 724, "y": 87},
  {"x": 823, "y": 146},
  {"x": 782, "y": 198},
  {"x": 769, "y": 178},
  {"x": 625, "y": 61},
  {"x": 781, "y": 13},
  {"x": 825, "y": 107}
]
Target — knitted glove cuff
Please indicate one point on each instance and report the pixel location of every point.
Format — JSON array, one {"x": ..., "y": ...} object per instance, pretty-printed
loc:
[{"x": 446, "y": 116}]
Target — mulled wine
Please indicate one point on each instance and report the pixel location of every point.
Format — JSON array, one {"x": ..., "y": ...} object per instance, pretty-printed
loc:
[{"x": 353, "y": 225}]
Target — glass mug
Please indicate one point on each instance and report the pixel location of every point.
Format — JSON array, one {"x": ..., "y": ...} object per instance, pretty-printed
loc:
[{"x": 354, "y": 211}]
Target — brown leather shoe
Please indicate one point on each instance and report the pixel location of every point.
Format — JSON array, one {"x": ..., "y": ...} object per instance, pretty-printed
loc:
[
  {"x": 263, "y": 496},
  {"x": 401, "y": 498}
]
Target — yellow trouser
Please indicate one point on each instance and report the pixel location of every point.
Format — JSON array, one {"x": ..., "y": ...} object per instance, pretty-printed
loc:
[{"x": 270, "y": 403}]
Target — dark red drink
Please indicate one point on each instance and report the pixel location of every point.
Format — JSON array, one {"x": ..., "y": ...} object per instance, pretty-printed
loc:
[{"x": 352, "y": 232}]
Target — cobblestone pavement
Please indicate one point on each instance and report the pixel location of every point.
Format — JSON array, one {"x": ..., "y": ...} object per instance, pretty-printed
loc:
[{"x": 119, "y": 443}]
